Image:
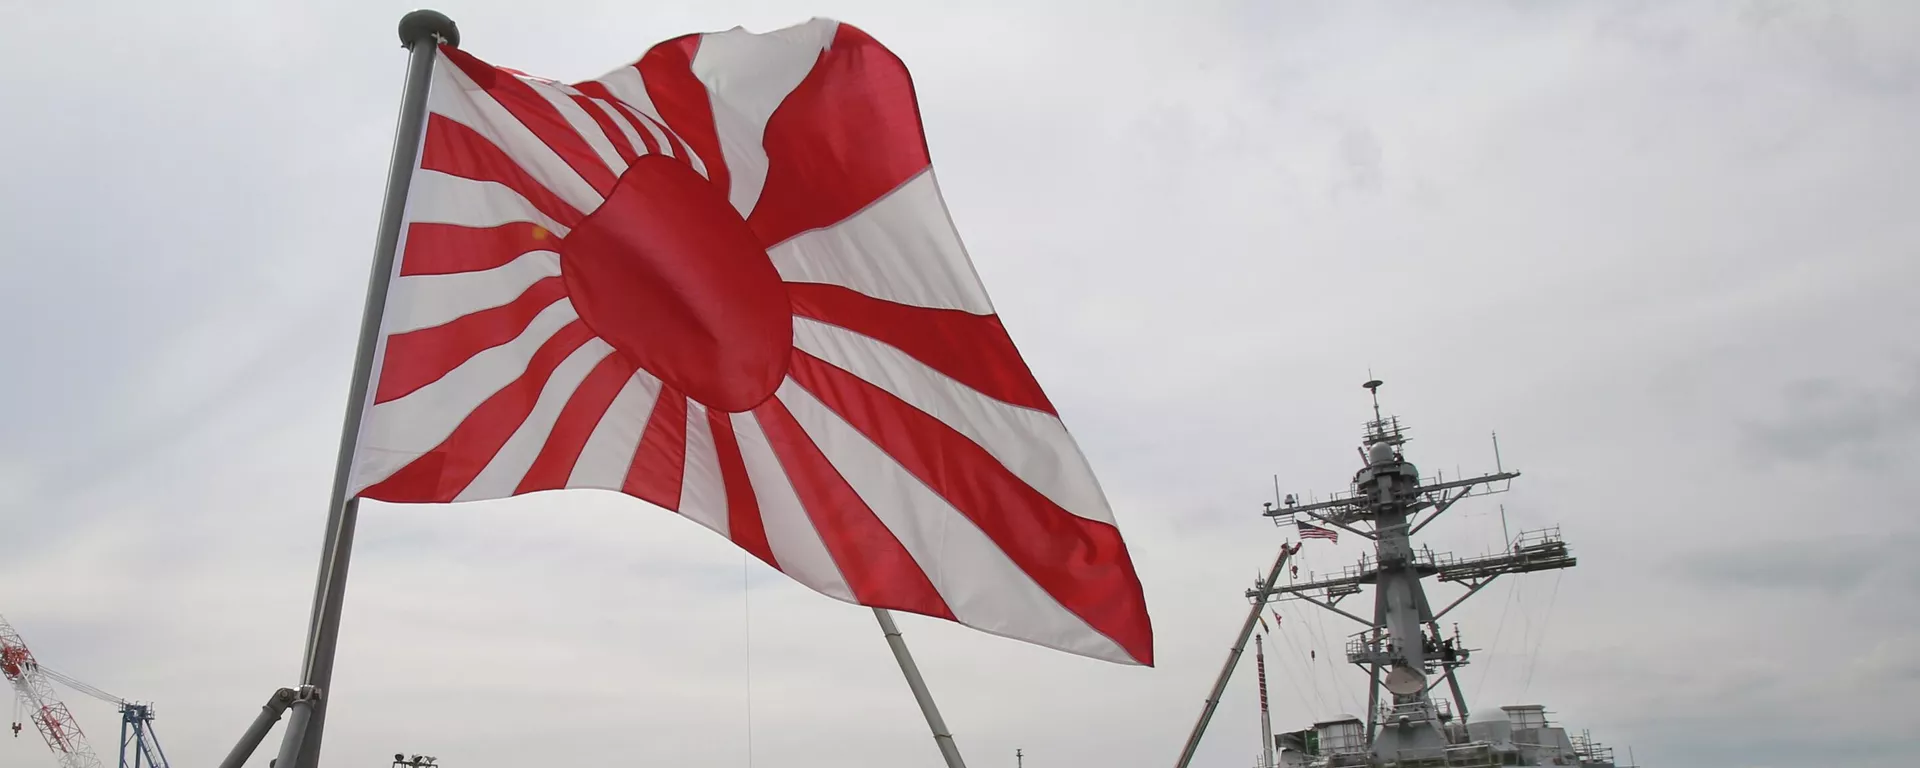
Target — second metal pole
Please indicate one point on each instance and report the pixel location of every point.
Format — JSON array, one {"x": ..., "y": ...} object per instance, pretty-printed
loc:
[
  {"x": 297, "y": 725},
  {"x": 1233, "y": 657},
  {"x": 257, "y": 732},
  {"x": 941, "y": 736}
]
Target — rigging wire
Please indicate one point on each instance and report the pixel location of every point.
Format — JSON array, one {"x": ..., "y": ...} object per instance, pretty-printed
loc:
[
  {"x": 1341, "y": 692},
  {"x": 1310, "y": 643},
  {"x": 1293, "y": 649},
  {"x": 1342, "y": 697},
  {"x": 1494, "y": 647},
  {"x": 1526, "y": 633},
  {"x": 1345, "y": 696},
  {"x": 1298, "y": 693},
  {"x": 1546, "y": 623},
  {"x": 746, "y": 641}
]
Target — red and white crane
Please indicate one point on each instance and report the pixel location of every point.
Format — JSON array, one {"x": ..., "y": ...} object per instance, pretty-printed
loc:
[{"x": 48, "y": 714}]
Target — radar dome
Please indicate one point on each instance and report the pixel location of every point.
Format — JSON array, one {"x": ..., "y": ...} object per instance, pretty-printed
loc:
[{"x": 1380, "y": 453}]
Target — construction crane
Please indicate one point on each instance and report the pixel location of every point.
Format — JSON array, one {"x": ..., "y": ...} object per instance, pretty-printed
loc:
[
  {"x": 139, "y": 746},
  {"x": 49, "y": 714}
]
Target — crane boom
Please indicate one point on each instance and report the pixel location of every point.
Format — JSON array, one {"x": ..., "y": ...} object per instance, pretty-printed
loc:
[
  {"x": 35, "y": 689},
  {"x": 139, "y": 746},
  {"x": 73, "y": 683}
]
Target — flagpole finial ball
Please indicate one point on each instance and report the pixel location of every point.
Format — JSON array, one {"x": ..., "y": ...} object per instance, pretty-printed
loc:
[{"x": 423, "y": 25}]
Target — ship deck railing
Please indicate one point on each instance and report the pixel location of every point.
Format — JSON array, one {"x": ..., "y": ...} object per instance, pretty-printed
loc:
[
  {"x": 1585, "y": 748},
  {"x": 1475, "y": 755},
  {"x": 1533, "y": 550},
  {"x": 1431, "y": 708}
]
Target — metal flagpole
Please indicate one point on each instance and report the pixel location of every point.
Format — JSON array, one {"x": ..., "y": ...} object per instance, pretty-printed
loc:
[
  {"x": 1233, "y": 656},
  {"x": 941, "y": 736},
  {"x": 420, "y": 32}
]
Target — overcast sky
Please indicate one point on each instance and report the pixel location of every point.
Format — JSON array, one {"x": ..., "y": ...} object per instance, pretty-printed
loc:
[{"x": 1667, "y": 250}]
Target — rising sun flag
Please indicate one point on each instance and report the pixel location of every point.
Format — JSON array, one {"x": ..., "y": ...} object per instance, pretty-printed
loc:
[{"x": 723, "y": 280}]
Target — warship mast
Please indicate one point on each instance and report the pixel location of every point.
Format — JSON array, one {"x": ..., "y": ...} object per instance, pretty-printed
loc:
[{"x": 1402, "y": 647}]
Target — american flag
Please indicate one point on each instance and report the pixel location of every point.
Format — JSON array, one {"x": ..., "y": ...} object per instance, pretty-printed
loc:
[{"x": 1314, "y": 532}]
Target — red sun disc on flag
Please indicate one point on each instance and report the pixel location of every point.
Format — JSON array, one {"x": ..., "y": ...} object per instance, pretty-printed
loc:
[{"x": 668, "y": 273}]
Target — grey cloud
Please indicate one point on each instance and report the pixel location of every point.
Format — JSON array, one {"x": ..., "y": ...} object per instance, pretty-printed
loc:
[
  {"x": 1827, "y": 564},
  {"x": 1857, "y": 53},
  {"x": 1360, "y": 151},
  {"x": 1869, "y": 425}
]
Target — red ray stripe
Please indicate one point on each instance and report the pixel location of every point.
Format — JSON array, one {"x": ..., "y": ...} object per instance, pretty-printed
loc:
[
  {"x": 619, "y": 140},
  {"x": 660, "y": 463},
  {"x": 848, "y": 135},
  {"x": 744, "y": 524},
  {"x": 684, "y": 103},
  {"x": 442, "y": 473},
  {"x": 595, "y": 89},
  {"x": 417, "y": 358},
  {"x": 539, "y": 116},
  {"x": 877, "y": 568},
  {"x": 973, "y": 349},
  {"x": 1082, "y": 563},
  {"x": 578, "y": 418},
  {"x": 453, "y": 148},
  {"x": 445, "y": 249}
]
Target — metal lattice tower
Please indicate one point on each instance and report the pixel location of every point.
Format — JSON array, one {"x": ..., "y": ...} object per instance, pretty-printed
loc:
[
  {"x": 1402, "y": 647},
  {"x": 35, "y": 690}
]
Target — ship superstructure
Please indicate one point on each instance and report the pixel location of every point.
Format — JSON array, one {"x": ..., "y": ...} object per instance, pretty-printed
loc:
[{"x": 1416, "y": 713}]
